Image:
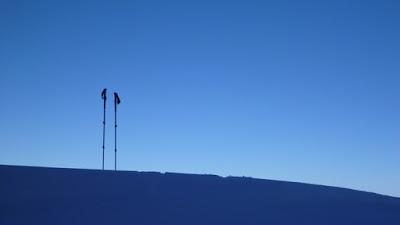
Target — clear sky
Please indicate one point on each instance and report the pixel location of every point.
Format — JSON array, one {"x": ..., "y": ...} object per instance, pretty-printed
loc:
[{"x": 302, "y": 91}]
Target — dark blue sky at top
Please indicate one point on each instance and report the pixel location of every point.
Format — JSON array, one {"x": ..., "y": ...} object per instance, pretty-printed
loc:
[{"x": 292, "y": 90}]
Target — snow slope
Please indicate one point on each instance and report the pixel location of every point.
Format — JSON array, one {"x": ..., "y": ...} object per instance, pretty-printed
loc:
[{"x": 34, "y": 195}]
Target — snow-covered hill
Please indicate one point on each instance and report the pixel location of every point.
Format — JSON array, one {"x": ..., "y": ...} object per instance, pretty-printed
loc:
[{"x": 34, "y": 195}]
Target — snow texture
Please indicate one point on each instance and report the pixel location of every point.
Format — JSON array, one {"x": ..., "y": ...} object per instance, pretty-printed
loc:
[{"x": 34, "y": 195}]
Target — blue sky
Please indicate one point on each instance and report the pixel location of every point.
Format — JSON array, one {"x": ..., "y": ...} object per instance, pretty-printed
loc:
[{"x": 301, "y": 91}]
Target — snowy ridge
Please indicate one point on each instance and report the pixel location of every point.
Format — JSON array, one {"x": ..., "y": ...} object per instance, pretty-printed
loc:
[{"x": 36, "y": 195}]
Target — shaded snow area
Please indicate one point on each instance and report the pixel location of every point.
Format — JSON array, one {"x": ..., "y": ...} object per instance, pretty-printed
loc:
[{"x": 34, "y": 195}]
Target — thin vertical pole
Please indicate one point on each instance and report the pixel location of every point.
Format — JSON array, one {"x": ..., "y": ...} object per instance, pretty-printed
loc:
[
  {"x": 104, "y": 129},
  {"x": 116, "y": 102},
  {"x": 104, "y": 97},
  {"x": 115, "y": 133}
]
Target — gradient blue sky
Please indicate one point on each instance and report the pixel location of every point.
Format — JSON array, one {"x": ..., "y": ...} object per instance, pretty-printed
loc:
[{"x": 302, "y": 91}]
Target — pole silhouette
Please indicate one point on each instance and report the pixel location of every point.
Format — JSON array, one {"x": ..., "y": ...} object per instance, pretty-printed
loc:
[
  {"x": 116, "y": 102},
  {"x": 104, "y": 97}
]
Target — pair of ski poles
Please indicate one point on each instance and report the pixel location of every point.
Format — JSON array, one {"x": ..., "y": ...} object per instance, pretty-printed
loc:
[{"x": 116, "y": 102}]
